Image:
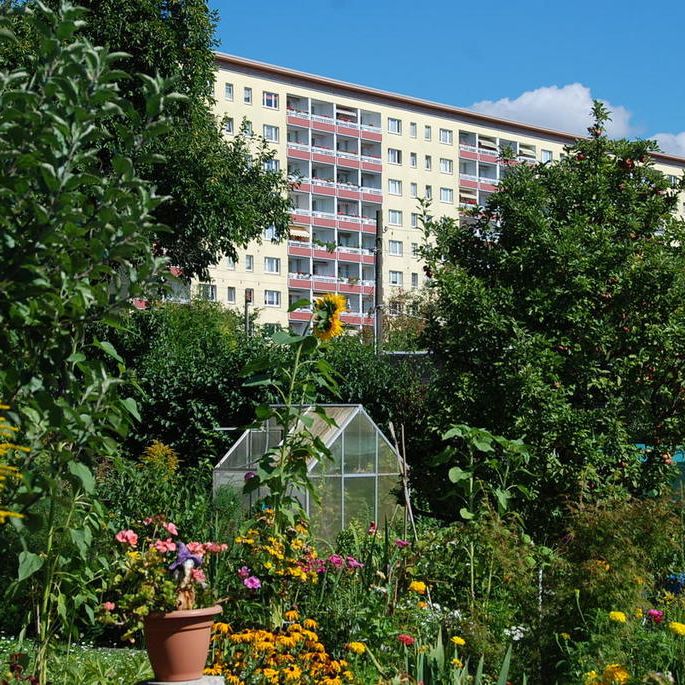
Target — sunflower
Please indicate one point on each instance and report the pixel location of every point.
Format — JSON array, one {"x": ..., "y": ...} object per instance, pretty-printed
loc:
[{"x": 326, "y": 322}]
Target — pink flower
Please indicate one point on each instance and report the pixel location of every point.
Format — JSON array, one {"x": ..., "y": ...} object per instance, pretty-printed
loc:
[
  {"x": 170, "y": 528},
  {"x": 406, "y": 640},
  {"x": 655, "y": 616},
  {"x": 109, "y": 606},
  {"x": 127, "y": 537},
  {"x": 401, "y": 543},
  {"x": 196, "y": 548},
  {"x": 215, "y": 547},
  {"x": 198, "y": 575},
  {"x": 353, "y": 563},
  {"x": 147, "y": 521},
  {"x": 336, "y": 560},
  {"x": 373, "y": 527},
  {"x": 252, "y": 583},
  {"x": 249, "y": 475},
  {"x": 164, "y": 546},
  {"x": 244, "y": 572}
]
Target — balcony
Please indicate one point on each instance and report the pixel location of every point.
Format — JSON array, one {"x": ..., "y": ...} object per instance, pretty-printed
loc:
[{"x": 325, "y": 283}]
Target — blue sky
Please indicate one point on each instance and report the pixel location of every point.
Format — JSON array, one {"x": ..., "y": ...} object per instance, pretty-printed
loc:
[{"x": 532, "y": 60}]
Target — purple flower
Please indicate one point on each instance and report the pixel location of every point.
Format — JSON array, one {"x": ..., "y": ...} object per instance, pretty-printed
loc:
[
  {"x": 401, "y": 543},
  {"x": 336, "y": 560},
  {"x": 252, "y": 583},
  {"x": 182, "y": 556},
  {"x": 249, "y": 474},
  {"x": 353, "y": 563},
  {"x": 244, "y": 572},
  {"x": 655, "y": 616}
]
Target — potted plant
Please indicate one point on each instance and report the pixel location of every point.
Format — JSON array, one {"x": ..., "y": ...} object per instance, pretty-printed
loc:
[{"x": 159, "y": 586}]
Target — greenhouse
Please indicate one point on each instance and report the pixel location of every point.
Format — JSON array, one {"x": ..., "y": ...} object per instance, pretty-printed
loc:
[{"x": 359, "y": 482}]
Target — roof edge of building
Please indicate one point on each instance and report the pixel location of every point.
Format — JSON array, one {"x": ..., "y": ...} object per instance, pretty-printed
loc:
[{"x": 409, "y": 100}]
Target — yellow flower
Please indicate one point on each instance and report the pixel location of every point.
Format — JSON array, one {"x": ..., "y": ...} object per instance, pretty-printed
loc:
[
  {"x": 459, "y": 641},
  {"x": 326, "y": 322},
  {"x": 617, "y": 616},
  {"x": 591, "y": 678},
  {"x": 310, "y": 624},
  {"x": 222, "y": 628},
  {"x": 457, "y": 663},
  {"x": 615, "y": 674},
  {"x": 422, "y": 605},
  {"x": 355, "y": 647},
  {"x": 639, "y": 613},
  {"x": 677, "y": 628},
  {"x": 565, "y": 636},
  {"x": 291, "y": 615},
  {"x": 417, "y": 586}
]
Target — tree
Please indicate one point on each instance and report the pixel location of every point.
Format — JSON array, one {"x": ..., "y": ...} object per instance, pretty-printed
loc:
[
  {"x": 221, "y": 196},
  {"x": 557, "y": 316}
]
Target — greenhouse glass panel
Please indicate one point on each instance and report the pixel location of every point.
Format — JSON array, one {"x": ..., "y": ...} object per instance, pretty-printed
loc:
[
  {"x": 326, "y": 517},
  {"x": 359, "y": 446},
  {"x": 360, "y": 499},
  {"x": 388, "y": 489},
  {"x": 387, "y": 459}
]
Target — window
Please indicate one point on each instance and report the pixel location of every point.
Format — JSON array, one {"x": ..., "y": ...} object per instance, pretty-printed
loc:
[
  {"x": 395, "y": 217},
  {"x": 270, "y": 233},
  {"x": 412, "y": 129},
  {"x": 272, "y": 165},
  {"x": 394, "y": 156},
  {"x": 247, "y": 95},
  {"x": 228, "y": 125},
  {"x": 429, "y": 192},
  {"x": 270, "y": 100},
  {"x": 413, "y": 190},
  {"x": 447, "y": 195},
  {"x": 272, "y": 298},
  {"x": 272, "y": 265},
  {"x": 230, "y": 294},
  {"x": 249, "y": 262},
  {"x": 414, "y": 220},
  {"x": 446, "y": 136},
  {"x": 230, "y": 263},
  {"x": 427, "y": 133},
  {"x": 414, "y": 280},
  {"x": 247, "y": 127},
  {"x": 446, "y": 165},
  {"x": 228, "y": 91},
  {"x": 547, "y": 155},
  {"x": 395, "y": 247},
  {"x": 396, "y": 278},
  {"x": 271, "y": 133},
  {"x": 412, "y": 160},
  {"x": 429, "y": 162},
  {"x": 394, "y": 186},
  {"x": 394, "y": 126},
  {"x": 414, "y": 249},
  {"x": 207, "y": 291}
]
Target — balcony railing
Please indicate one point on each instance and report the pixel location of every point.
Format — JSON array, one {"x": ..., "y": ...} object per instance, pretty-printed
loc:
[
  {"x": 347, "y": 155},
  {"x": 298, "y": 146},
  {"x": 468, "y": 177},
  {"x": 468, "y": 148},
  {"x": 373, "y": 160},
  {"x": 372, "y": 191},
  {"x": 491, "y": 181},
  {"x": 352, "y": 280}
]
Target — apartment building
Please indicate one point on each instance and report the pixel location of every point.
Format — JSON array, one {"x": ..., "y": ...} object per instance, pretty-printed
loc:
[{"x": 355, "y": 151}]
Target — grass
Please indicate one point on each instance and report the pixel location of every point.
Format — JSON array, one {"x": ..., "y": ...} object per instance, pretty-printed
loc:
[{"x": 83, "y": 664}]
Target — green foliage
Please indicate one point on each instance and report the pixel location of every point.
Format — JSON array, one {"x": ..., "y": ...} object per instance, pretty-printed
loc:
[{"x": 557, "y": 314}]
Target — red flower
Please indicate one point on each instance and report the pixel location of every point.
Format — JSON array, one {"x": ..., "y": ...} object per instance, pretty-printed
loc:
[{"x": 406, "y": 640}]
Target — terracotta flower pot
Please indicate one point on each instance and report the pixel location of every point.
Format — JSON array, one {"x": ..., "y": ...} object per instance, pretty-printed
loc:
[{"x": 177, "y": 643}]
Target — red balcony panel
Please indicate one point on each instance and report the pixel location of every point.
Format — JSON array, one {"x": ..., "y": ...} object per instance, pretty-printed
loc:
[
  {"x": 349, "y": 257},
  {"x": 349, "y": 163},
  {"x": 372, "y": 135},
  {"x": 372, "y": 166},
  {"x": 372, "y": 197},
  {"x": 367, "y": 259},
  {"x": 298, "y": 154},
  {"x": 350, "y": 288},
  {"x": 299, "y": 316},
  {"x": 348, "y": 225},
  {"x": 369, "y": 228},
  {"x": 299, "y": 283},
  {"x": 323, "y": 126},
  {"x": 325, "y": 157},
  {"x": 488, "y": 157},
  {"x": 324, "y": 286},
  {"x": 297, "y": 120},
  {"x": 468, "y": 154},
  {"x": 464, "y": 183},
  {"x": 323, "y": 253},
  {"x": 487, "y": 186},
  {"x": 348, "y": 131},
  {"x": 304, "y": 187},
  {"x": 323, "y": 190},
  {"x": 349, "y": 194},
  {"x": 294, "y": 251},
  {"x": 299, "y": 219},
  {"x": 323, "y": 222}
]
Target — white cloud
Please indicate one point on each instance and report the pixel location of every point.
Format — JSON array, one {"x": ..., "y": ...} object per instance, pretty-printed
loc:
[
  {"x": 566, "y": 108},
  {"x": 671, "y": 143}
]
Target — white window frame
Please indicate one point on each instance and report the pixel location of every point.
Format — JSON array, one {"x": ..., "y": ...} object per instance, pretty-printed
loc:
[
  {"x": 207, "y": 291},
  {"x": 270, "y": 100},
  {"x": 428, "y": 163},
  {"x": 247, "y": 95},
  {"x": 272, "y": 165},
  {"x": 394, "y": 186},
  {"x": 446, "y": 165},
  {"x": 414, "y": 220},
  {"x": 413, "y": 160},
  {"x": 228, "y": 92},
  {"x": 447, "y": 196},
  {"x": 414, "y": 280},
  {"x": 228, "y": 125},
  {"x": 249, "y": 262},
  {"x": 394, "y": 156},
  {"x": 412, "y": 129},
  {"x": 546, "y": 155},
  {"x": 396, "y": 278},
  {"x": 427, "y": 133},
  {"x": 277, "y": 298},
  {"x": 415, "y": 248},
  {"x": 446, "y": 136},
  {"x": 230, "y": 264},
  {"x": 396, "y": 248},
  {"x": 395, "y": 217},
  {"x": 230, "y": 290},
  {"x": 269, "y": 129},
  {"x": 395, "y": 126},
  {"x": 272, "y": 261},
  {"x": 429, "y": 192},
  {"x": 413, "y": 190}
]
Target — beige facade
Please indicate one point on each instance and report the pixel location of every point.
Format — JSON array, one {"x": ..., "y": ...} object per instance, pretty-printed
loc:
[{"x": 354, "y": 151}]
